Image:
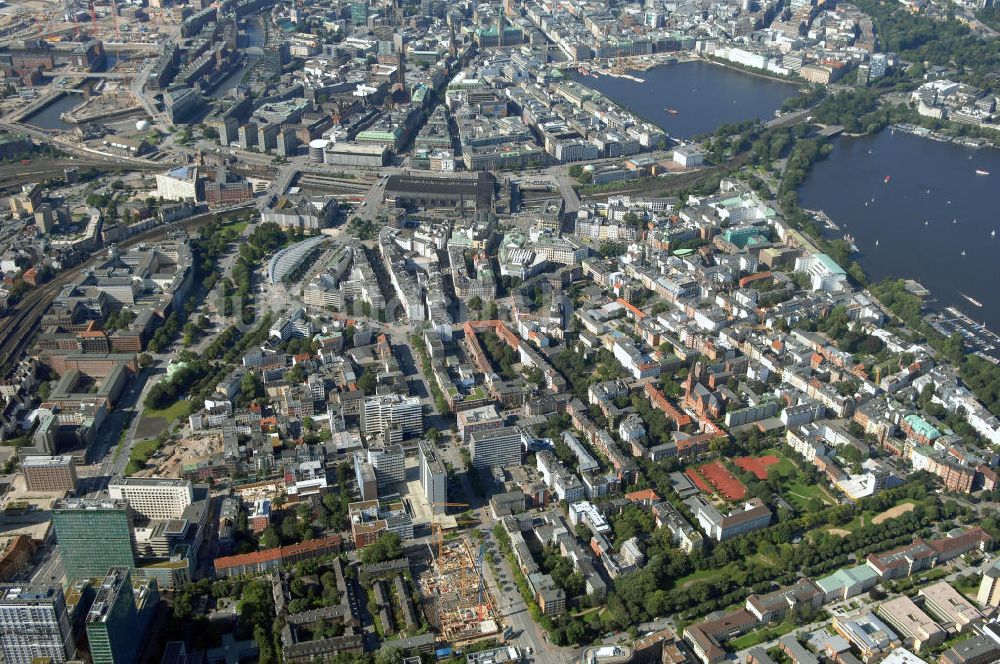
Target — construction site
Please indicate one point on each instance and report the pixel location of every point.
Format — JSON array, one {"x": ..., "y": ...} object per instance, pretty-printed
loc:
[
  {"x": 109, "y": 99},
  {"x": 117, "y": 24},
  {"x": 457, "y": 602}
]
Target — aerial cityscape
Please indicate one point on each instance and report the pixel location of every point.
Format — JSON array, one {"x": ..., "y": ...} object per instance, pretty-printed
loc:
[{"x": 542, "y": 331}]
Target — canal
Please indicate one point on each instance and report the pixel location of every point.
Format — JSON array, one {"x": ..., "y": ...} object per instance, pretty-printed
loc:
[
  {"x": 917, "y": 209},
  {"x": 48, "y": 117},
  {"x": 703, "y": 94},
  {"x": 254, "y": 42}
]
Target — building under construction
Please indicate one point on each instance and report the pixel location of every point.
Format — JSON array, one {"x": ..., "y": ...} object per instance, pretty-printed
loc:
[{"x": 457, "y": 604}]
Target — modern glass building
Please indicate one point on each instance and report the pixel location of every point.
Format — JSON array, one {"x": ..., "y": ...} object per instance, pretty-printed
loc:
[
  {"x": 94, "y": 535},
  {"x": 119, "y": 617}
]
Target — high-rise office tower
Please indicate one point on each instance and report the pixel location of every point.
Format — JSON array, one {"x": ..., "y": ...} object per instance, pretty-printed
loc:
[
  {"x": 119, "y": 617},
  {"x": 433, "y": 477},
  {"x": 94, "y": 535},
  {"x": 153, "y": 497},
  {"x": 34, "y": 624}
]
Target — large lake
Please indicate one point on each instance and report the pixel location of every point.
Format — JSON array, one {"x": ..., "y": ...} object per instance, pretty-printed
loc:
[
  {"x": 703, "y": 94},
  {"x": 933, "y": 220}
]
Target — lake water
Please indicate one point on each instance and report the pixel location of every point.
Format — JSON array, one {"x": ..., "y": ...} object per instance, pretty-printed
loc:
[
  {"x": 933, "y": 208},
  {"x": 703, "y": 94},
  {"x": 48, "y": 117}
]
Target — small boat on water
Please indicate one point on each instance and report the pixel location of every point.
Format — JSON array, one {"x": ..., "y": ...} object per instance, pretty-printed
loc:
[
  {"x": 993, "y": 233},
  {"x": 979, "y": 171},
  {"x": 876, "y": 243},
  {"x": 971, "y": 299},
  {"x": 887, "y": 178},
  {"x": 672, "y": 111},
  {"x": 963, "y": 252}
]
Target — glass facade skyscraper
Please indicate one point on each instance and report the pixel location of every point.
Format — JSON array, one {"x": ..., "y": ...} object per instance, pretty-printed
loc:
[
  {"x": 94, "y": 536},
  {"x": 119, "y": 619}
]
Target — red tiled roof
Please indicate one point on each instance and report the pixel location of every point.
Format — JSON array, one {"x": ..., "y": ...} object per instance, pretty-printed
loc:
[
  {"x": 643, "y": 496},
  {"x": 631, "y": 308},
  {"x": 267, "y": 555}
]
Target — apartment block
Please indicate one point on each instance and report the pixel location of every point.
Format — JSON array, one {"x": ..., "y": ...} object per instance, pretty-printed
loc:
[
  {"x": 558, "y": 478},
  {"x": 496, "y": 447},
  {"x": 433, "y": 477},
  {"x": 683, "y": 534},
  {"x": 477, "y": 419},
  {"x": 950, "y": 606},
  {"x": 916, "y": 627},
  {"x": 751, "y": 516},
  {"x": 49, "y": 473},
  {"x": 34, "y": 624},
  {"x": 153, "y": 498},
  {"x": 392, "y": 416}
]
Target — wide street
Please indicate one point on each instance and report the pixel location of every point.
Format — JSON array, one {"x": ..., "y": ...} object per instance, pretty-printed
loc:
[{"x": 526, "y": 633}]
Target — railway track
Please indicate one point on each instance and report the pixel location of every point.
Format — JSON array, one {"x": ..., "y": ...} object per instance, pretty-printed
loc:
[
  {"x": 19, "y": 326},
  {"x": 14, "y": 175}
]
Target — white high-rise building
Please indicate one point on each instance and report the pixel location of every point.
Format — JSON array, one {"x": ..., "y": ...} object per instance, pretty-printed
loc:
[
  {"x": 433, "y": 477},
  {"x": 495, "y": 447},
  {"x": 153, "y": 498},
  {"x": 34, "y": 624},
  {"x": 394, "y": 414},
  {"x": 389, "y": 463}
]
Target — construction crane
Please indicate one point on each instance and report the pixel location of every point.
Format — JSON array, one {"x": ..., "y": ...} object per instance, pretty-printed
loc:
[
  {"x": 479, "y": 573},
  {"x": 114, "y": 19},
  {"x": 69, "y": 11},
  {"x": 93, "y": 20},
  {"x": 440, "y": 532}
]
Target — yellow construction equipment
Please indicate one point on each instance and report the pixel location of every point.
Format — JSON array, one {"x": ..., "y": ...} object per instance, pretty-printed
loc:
[
  {"x": 440, "y": 532},
  {"x": 440, "y": 537}
]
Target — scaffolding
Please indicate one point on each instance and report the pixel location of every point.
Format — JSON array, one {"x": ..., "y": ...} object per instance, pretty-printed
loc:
[{"x": 463, "y": 609}]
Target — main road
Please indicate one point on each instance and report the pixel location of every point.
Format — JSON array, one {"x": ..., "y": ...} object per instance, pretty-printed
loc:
[{"x": 514, "y": 612}]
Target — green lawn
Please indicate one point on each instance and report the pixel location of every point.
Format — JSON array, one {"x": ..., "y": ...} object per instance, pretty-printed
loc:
[
  {"x": 697, "y": 575},
  {"x": 761, "y": 635},
  {"x": 237, "y": 226},
  {"x": 763, "y": 560},
  {"x": 176, "y": 411},
  {"x": 784, "y": 467},
  {"x": 799, "y": 494},
  {"x": 141, "y": 451},
  {"x": 967, "y": 584},
  {"x": 855, "y": 523}
]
